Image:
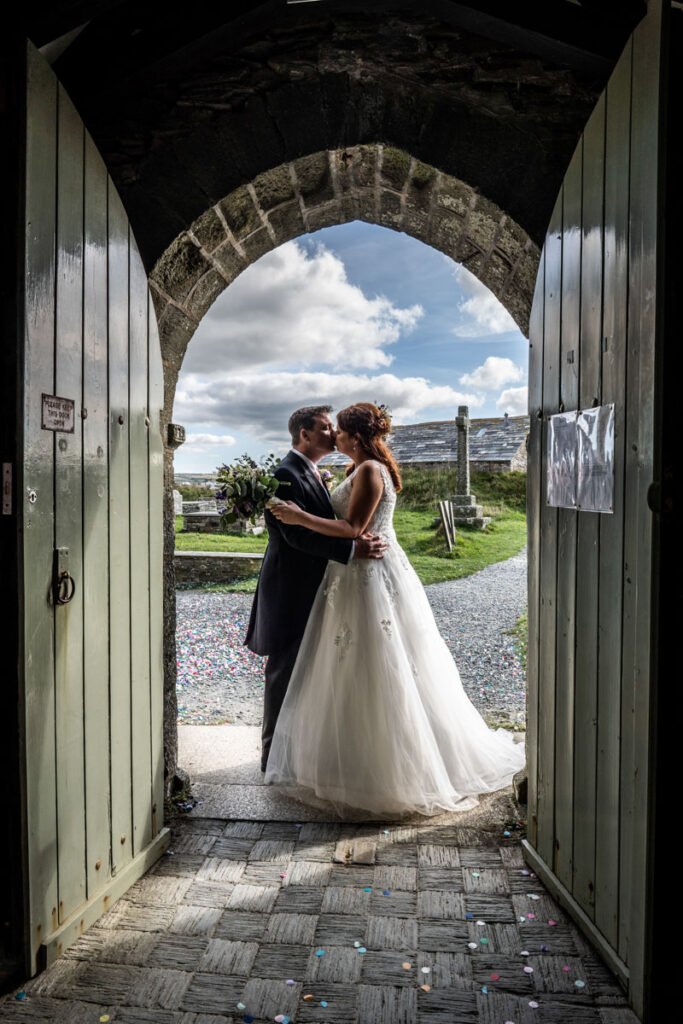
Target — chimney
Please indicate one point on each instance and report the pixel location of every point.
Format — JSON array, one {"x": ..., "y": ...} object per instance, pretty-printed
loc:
[{"x": 506, "y": 422}]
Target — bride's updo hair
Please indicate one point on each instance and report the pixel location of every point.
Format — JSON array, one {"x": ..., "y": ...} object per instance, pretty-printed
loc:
[{"x": 370, "y": 424}]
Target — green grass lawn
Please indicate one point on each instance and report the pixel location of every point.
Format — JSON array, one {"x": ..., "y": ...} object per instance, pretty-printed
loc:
[{"x": 474, "y": 549}]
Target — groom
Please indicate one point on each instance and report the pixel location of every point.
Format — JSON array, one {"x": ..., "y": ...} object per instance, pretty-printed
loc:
[{"x": 295, "y": 560}]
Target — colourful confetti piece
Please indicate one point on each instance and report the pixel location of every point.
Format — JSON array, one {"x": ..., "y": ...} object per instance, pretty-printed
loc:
[
  {"x": 551, "y": 921},
  {"x": 484, "y": 941},
  {"x": 357, "y": 944},
  {"x": 386, "y": 892},
  {"x": 290, "y": 981},
  {"x": 507, "y": 834},
  {"x": 494, "y": 977},
  {"x": 308, "y": 997},
  {"x": 426, "y": 988},
  {"x": 469, "y": 916},
  {"x": 475, "y": 874},
  {"x": 480, "y": 922},
  {"x": 566, "y": 968},
  {"x": 21, "y": 996},
  {"x": 104, "y": 1018},
  {"x": 485, "y": 990},
  {"x": 426, "y": 970},
  {"x": 528, "y": 970},
  {"x": 323, "y": 1002},
  {"x": 533, "y": 1004},
  {"x": 580, "y": 984},
  {"x": 367, "y": 888},
  {"x": 406, "y": 966},
  {"x": 241, "y": 1006},
  {"x": 472, "y": 945},
  {"x": 524, "y": 952},
  {"x": 362, "y": 949},
  {"x": 532, "y": 917},
  {"x": 320, "y": 952}
]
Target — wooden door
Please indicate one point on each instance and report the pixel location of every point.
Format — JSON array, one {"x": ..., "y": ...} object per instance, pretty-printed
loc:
[
  {"x": 88, "y": 506},
  {"x": 596, "y": 338}
]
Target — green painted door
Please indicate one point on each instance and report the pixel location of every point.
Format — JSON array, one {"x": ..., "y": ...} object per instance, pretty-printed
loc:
[
  {"x": 89, "y": 509},
  {"x": 596, "y": 337}
]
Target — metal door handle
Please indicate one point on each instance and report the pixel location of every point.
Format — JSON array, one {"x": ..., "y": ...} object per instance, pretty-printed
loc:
[{"x": 65, "y": 588}]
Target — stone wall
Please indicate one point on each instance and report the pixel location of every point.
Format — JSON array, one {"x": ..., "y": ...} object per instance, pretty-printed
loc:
[{"x": 198, "y": 567}]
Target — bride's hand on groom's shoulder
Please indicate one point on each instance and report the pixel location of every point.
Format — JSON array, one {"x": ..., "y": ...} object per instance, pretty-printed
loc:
[{"x": 287, "y": 512}]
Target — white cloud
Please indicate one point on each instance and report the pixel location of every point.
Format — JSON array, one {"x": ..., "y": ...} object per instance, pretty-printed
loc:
[
  {"x": 483, "y": 315},
  {"x": 207, "y": 442},
  {"x": 295, "y": 308},
  {"x": 493, "y": 373},
  {"x": 261, "y": 403},
  {"x": 514, "y": 401}
]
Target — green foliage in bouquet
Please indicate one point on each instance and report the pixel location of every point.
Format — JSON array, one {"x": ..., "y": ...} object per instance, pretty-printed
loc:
[{"x": 245, "y": 487}]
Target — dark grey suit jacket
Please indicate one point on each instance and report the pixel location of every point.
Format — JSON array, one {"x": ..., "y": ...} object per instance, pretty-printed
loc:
[{"x": 294, "y": 563}]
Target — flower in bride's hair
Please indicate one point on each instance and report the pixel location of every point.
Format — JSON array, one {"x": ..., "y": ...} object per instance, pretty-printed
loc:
[{"x": 383, "y": 417}]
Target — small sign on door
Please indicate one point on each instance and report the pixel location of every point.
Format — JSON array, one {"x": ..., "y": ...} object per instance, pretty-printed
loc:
[{"x": 58, "y": 414}]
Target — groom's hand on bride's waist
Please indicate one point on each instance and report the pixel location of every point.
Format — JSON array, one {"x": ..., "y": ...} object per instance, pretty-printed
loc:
[{"x": 369, "y": 545}]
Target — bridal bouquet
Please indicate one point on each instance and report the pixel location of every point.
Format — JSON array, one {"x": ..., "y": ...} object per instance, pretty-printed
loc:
[{"x": 245, "y": 487}]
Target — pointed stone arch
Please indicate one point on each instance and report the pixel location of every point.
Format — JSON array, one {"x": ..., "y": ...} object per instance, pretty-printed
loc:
[{"x": 377, "y": 184}]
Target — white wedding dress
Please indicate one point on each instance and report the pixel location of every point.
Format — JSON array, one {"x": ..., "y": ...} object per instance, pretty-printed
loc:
[{"x": 375, "y": 718}]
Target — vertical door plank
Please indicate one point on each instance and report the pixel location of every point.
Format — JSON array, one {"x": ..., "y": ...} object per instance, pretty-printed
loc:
[
  {"x": 155, "y": 402},
  {"x": 139, "y": 554},
  {"x": 119, "y": 538},
  {"x": 644, "y": 256},
  {"x": 615, "y": 292},
  {"x": 548, "y": 603},
  {"x": 534, "y": 505},
  {"x": 587, "y": 563},
  {"x": 38, "y": 514},
  {"x": 68, "y": 512},
  {"x": 96, "y": 522},
  {"x": 566, "y": 526}
]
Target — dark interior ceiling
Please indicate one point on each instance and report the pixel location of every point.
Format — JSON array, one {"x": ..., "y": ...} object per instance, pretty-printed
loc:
[
  {"x": 187, "y": 103},
  {"x": 153, "y": 37}
]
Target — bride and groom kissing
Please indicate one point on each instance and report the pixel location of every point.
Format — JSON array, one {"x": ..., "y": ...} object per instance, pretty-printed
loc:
[{"x": 364, "y": 708}]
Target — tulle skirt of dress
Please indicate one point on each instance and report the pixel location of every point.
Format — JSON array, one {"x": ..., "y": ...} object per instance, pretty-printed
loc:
[{"x": 375, "y": 718}]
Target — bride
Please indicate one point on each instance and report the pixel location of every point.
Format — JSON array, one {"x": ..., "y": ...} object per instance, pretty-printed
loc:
[{"x": 375, "y": 717}]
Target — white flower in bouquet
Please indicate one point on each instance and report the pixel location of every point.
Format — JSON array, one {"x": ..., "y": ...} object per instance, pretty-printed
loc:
[{"x": 245, "y": 488}]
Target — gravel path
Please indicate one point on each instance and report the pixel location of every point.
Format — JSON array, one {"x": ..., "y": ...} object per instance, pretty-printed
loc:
[{"x": 219, "y": 680}]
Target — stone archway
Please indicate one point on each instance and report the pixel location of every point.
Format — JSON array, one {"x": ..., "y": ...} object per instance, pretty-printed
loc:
[{"x": 377, "y": 184}]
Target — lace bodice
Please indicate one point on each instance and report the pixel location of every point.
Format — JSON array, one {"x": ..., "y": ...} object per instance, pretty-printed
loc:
[{"x": 382, "y": 522}]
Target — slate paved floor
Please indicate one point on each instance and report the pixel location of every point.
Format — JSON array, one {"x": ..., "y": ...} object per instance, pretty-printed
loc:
[{"x": 454, "y": 926}]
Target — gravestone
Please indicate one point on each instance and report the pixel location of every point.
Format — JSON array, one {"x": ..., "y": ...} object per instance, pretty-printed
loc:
[{"x": 466, "y": 512}]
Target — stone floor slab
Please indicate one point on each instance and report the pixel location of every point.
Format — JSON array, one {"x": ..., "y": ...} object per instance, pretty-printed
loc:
[{"x": 240, "y": 912}]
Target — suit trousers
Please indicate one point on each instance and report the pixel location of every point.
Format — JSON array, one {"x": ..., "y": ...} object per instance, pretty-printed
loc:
[{"x": 278, "y": 671}]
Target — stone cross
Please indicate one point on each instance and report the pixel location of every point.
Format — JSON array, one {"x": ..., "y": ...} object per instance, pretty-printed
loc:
[{"x": 462, "y": 422}]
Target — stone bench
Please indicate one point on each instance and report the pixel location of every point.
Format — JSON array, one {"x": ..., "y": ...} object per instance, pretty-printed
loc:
[{"x": 200, "y": 567}]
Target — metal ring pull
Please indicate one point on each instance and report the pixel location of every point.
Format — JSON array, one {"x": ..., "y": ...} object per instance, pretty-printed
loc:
[{"x": 65, "y": 588}]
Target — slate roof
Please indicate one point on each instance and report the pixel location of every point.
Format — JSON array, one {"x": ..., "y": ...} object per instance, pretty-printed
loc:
[{"x": 491, "y": 440}]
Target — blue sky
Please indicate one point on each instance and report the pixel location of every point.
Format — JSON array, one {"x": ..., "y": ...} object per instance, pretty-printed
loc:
[{"x": 349, "y": 313}]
